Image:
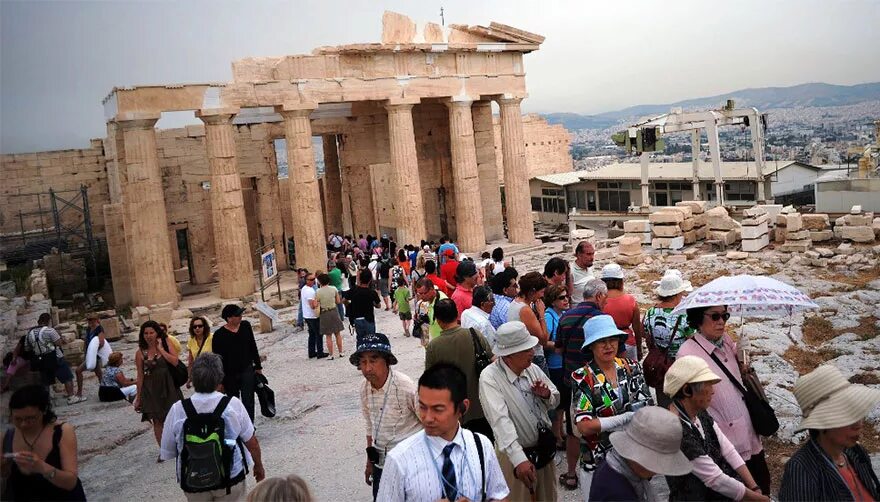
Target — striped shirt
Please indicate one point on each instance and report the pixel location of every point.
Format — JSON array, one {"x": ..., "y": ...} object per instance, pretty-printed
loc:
[
  {"x": 398, "y": 419},
  {"x": 810, "y": 475},
  {"x": 410, "y": 476}
]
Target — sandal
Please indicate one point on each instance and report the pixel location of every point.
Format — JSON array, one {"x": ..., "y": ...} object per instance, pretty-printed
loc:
[{"x": 568, "y": 481}]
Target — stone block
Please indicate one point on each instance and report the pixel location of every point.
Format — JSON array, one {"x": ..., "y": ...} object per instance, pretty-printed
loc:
[
  {"x": 644, "y": 237},
  {"x": 754, "y": 232},
  {"x": 720, "y": 220},
  {"x": 668, "y": 217},
  {"x": 630, "y": 260},
  {"x": 855, "y": 234},
  {"x": 630, "y": 246},
  {"x": 755, "y": 220},
  {"x": 162, "y": 315},
  {"x": 181, "y": 314},
  {"x": 800, "y": 235},
  {"x": 604, "y": 254},
  {"x": 690, "y": 237},
  {"x": 636, "y": 226},
  {"x": 781, "y": 220},
  {"x": 855, "y": 209},
  {"x": 856, "y": 220},
  {"x": 111, "y": 329},
  {"x": 736, "y": 255},
  {"x": 793, "y": 222},
  {"x": 726, "y": 236},
  {"x": 686, "y": 211},
  {"x": 697, "y": 206},
  {"x": 789, "y": 210},
  {"x": 181, "y": 275},
  {"x": 845, "y": 248},
  {"x": 676, "y": 258},
  {"x": 755, "y": 245},
  {"x": 700, "y": 220},
  {"x": 821, "y": 235},
  {"x": 666, "y": 230},
  {"x": 754, "y": 211},
  {"x": 773, "y": 211},
  {"x": 796, "y": 246},
  {"x": 583, "y": 234},
  {"x": 812, "y": 255},
  {"x": 688, "y": 224},
  {"x": 702, "y": 232},
  {"x": 667, "y": 243},
  {"x": 824, "y": 252},
  {"x": 815, "y": 221}
]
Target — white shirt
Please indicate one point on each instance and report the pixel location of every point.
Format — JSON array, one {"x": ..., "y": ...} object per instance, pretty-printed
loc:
[
  {"x": 374, "y": 269},
  {"x": 476, "y": 318},
  {"x": 238, "y": 425},
  {"x": 409, "y": 476},
  {"x": 305, "y": 294},
  {"x": 580, "y": 277}
]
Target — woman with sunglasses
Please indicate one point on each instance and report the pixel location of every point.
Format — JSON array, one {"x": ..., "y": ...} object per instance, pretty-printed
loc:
[
  {"x": 727, "y": 407},
  {"x": 556, "y": 300},
  {"x": 200, "y": 340}
]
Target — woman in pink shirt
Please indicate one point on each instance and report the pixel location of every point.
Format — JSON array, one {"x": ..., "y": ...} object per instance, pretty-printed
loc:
[
  {"x": 727, "y": 407},
  {"x": 624, "y": 309}
]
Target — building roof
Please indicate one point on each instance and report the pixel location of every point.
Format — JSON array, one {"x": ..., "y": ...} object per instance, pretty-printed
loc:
[
  {"x": 561, "y": 179},
  {"x": 771, "y": 167},
  {"x": 674, "y": 171}
]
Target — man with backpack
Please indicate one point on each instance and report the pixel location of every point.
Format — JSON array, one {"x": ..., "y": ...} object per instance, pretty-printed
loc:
[
  {"x": 42, "y": 348},
  {"x": 212, "y": 437}
]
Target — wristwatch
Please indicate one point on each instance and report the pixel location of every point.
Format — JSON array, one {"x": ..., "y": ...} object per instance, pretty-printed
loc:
[{"x": 51, "y": 474}]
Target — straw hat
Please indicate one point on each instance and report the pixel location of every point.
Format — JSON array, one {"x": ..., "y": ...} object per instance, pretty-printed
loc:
[
  {"x": 672, "y": 284},
  {"x": 653, "y": 440},
  {"x": 687, "y": 369},
  {"x": 612, "y": 271},
  {"x": 828, "y": 400},
  {"x": 512, "y": 337},
  {"x": 599, "y": 327}
]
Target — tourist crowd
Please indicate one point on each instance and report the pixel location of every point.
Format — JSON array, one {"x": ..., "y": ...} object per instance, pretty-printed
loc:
[{"x": 519, "y": 367}]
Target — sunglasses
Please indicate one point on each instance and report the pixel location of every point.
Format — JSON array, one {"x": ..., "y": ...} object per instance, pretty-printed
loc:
[
  {"x": 717, "y": 316},
  {"x": 563, "y": 297},
  {"x": 198, "y": 326}
]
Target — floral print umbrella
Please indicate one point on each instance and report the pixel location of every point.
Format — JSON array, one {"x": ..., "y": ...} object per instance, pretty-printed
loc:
[{"x": 749, "y": 296}]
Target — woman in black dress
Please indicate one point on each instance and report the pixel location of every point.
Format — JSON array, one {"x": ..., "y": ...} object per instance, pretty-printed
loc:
[{"x": 235, "y": 343}]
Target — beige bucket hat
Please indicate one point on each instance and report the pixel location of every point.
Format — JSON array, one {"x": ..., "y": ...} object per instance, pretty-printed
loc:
[
  {"x": 512, "y": 337},
  {"x": 829, "y": 401},
  {"x": 653, "y": 440},
  {"x": 687, "y": 369}
]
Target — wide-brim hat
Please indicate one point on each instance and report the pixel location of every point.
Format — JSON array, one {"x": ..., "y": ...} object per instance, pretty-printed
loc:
[
  {"x": 685, "y": 370},
  {"x": 829, "y": 401},
  {"x": 672, "y": 283},
  {"x": 372, "y": 342},
  {"x": 653, "y": 440},
  {"x": 512, "y": 337},
  {"x": 602, "y": 326},
  {"x": 231, "y": 310}
]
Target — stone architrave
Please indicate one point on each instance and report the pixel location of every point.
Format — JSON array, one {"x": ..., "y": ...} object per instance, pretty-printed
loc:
[
  {"x": 305, "y": 199},
  {"x": 469, "y": 212},
  {"x": 490, "y": 191},
  {"x": 405, "y": 172},
  {"x": 332, "y": 185},
  {"x": 231, "y": 244},
  {"x": 114, "y": 228},
  {"x": 520, "y": 227},
  {"x": 146, "y": 219}
]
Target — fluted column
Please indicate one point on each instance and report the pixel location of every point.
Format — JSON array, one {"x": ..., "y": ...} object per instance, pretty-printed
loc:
[
  {"x": 332, "y": 185},
  {"x": 231, "y": 244},
  {"x": 465, "y": 176},
  {"x": 405, "y": 173},
  {"x": 487, "y": 167},
  {"x": 520, "y": 227},
  {"x": 117, "y": 253},
  {"x": 305, "y": 200},
  {"x": 146, "y": 220}
]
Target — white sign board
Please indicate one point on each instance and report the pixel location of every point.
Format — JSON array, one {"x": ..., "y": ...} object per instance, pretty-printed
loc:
[
  {"x": 268, "y": 266},
  {"x": 267, "y": 311}
]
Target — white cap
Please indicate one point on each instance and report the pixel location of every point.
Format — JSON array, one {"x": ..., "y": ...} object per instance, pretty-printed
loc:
[{"x": 612, "y": 271}]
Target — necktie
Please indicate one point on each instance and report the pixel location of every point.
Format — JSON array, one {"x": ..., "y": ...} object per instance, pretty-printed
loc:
[{"x": 450, "y": 490}]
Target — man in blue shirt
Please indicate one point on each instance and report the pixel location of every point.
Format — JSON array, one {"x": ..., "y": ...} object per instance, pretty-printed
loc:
[
  {"x": 504, "y": 287},
  {"x": 94, "y": 329}
]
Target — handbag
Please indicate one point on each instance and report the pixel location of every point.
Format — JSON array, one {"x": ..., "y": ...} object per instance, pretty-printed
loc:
[
  {"x": 657, "y": 362},
  {"x": 761, "y": 413},
  {"x": 265, "y": 395},
  {"x": 179, "y": 373},
  {"x": 481, "y": 357},
  {"x": 544, "y": 450}
]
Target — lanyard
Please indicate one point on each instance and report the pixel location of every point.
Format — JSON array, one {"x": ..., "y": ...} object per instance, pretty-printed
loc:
[
  {"x": 384, "y": 402},
  {"x": 463, "y": 465}
]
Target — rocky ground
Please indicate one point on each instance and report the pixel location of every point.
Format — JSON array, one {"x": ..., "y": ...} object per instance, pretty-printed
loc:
[{"x": 319, "y": 432}]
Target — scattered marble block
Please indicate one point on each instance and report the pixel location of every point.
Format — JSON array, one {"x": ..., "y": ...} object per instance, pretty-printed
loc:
[
  {"x": 796, "y": 246},
  {"x": 687, "y": 224},
  {"x": 674, "y": 243},
  {"x": 815, "y": 221},
  {"x": 636, "y": 226},
  {"x": 728, "y": 237},
  {"x": 676, "y": 258},
  {"x": 736, "y": 255},
  {"x": 821, "y": 235},
  {"x": 755, "y": 245},
  {"x": 690, "y": 237},
  {"x": 845, "y": 248},
  {"x": 702, "y": 232},
  {"x": 700, "y": 220},
  {"x": 754, "y": 231},
  {"x": 666, "y": 217},
  {"x": 697, "y": 206},
  {"x": 644, "y": 237},
  {"x": 857, "y": 220},
  {"x": 630, "y": 246},
  {"x": 630, "y": 260},
  {"x": 666, "y": 230},
  {"x": 718, "y": 219},
  {"x": 855, "y": 209},
  {"x": 855, "y": 233}
]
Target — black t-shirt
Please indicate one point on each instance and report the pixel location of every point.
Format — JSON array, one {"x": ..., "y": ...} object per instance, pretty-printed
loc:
[
  {"x": 238, "y": 350},
  {"x": 363, "y": 301}
]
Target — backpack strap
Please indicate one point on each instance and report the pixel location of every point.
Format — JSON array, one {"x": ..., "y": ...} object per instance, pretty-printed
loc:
[
  {"x": 479, "y": 445},
  {"x": 189, "y": 409},
  {"x": 7, "y": 440},
  {"x": 221, "y": 407}
]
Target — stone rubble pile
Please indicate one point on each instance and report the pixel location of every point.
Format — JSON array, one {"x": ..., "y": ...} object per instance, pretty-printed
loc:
[
  {"x": 722, "y": 227},
  {"x": 819, "y": 227},
  {"x": 638, "y": 228},
  {"x": 797, "y": 238},
  {"x": 755, "y": 229},
  {"x": 666, "y": 227},
  {"x": 629, "y": 252},
  {"x": 855, "y": 226},
  {"x": 699, "y": 229}
]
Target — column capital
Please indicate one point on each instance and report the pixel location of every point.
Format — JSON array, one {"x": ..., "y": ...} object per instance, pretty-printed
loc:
[
  {"x": 459, "y": 101},
  {"x": 509, "y": 99},
  {"x": 133, "y": 121},
  {"x": 214, "y": 116},
  {"x": 296, "y": 108},
  {"x": 401, "y": 103}
]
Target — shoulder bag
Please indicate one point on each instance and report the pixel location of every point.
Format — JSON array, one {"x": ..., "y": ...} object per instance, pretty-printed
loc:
[
  {"x": 179, "y": 373},
  {"x": 481, "y": 357},
  {"x": 657, "y": 362},
  {"x": 761, "y": 413}
]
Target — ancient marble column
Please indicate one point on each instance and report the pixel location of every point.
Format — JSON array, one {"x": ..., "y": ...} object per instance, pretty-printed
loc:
[
  {"x": 405, "y": 172},
  {"x": 520, "y": 227},
  {"x": 146, "y": 220},
  {"x": 332, "y": 185},
  {"x": 231, "y": 244},
  {"x": 490, "y": 189},
  {"x": 120, "y": 272},
  {"x": 305, "y": 201},
  {"x": 269, "y": 215},
  {"x": 465, "y": 177}
]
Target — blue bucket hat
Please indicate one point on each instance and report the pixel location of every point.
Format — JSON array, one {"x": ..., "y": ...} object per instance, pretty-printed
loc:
[
  {"x": 372, "y": 342},
  {"x": 599, "y": 327}
]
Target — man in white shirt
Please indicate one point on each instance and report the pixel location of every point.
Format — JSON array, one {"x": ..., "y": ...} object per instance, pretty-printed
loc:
[
  {"x": 443, "y": 461},
  {"x": 309, "y": 302},
  {"x": 207, "y": 375},
  {"x": 581, "y": 271},
  {"x": 477, "y": 316}
]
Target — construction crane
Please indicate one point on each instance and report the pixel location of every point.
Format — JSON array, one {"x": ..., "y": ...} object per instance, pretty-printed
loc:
[{"x": 645, "y": 137}]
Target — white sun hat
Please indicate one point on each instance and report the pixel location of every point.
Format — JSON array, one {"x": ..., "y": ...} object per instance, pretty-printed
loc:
[
  {"x": 612, "y": 271},
  {"x": 672, "y": 284}
]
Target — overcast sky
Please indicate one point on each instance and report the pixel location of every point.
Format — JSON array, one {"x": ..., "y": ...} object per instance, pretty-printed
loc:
[{"x": 58, "y": 60}]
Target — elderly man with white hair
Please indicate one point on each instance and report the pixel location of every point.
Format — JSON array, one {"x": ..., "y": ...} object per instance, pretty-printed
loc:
[{"x": 517, "y": 397}]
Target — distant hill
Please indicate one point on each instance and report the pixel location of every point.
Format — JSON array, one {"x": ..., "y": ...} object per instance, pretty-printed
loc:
[{"x": 764, "y": 98}]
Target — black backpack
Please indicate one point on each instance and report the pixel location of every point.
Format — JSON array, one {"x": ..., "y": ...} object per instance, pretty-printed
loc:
[{"x": 206, "y": 458}]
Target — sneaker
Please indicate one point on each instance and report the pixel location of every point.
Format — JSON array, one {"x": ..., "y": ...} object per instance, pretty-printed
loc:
[
  {"x": 341, "y": 355},
  {"x": 330, "y": 358},
  {"x": 76, "y": 399}
]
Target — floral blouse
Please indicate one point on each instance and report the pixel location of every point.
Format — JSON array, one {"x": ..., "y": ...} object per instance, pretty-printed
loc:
[
  {"x": 593, "y": 397},
  {"x": 659, "y": 324}
]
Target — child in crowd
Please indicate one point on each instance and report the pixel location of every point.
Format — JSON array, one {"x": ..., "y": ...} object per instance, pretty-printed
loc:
[{"x": 402, "y": 297}]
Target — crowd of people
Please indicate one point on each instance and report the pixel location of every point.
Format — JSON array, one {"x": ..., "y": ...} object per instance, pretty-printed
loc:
[{"x": 518, "y": 368}]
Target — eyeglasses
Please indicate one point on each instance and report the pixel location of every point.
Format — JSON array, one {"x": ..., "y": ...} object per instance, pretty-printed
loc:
[
  {"x": 563, "y": 297},
  {"x": 717, "y": 316},
  {"x": 198, "y": 326}
]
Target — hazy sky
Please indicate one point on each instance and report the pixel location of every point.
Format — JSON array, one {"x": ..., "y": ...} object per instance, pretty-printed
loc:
[{"x": 58, "y": 60}]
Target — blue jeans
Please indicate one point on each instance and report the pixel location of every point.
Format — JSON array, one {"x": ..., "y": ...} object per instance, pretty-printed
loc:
[
  {"x": 299, "y": 316},
  {"x": 314, "y": 337},
  {"x": 341, "y": 309},
  {"x": 363, "y": 327}
]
